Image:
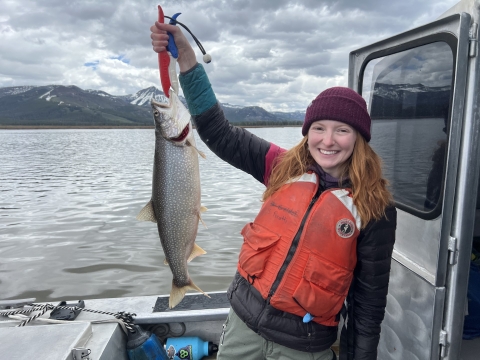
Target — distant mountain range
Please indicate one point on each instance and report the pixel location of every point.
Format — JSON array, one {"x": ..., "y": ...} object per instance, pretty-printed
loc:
[
  {"x": 58, "y": 105},
  {"x": 407, "y": 101}
]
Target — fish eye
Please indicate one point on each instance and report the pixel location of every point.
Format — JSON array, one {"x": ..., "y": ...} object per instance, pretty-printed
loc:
[{"x": 156, "y": 112}]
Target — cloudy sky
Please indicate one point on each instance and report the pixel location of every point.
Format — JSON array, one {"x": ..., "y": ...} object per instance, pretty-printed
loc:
[{"x": 278, "y": 54}]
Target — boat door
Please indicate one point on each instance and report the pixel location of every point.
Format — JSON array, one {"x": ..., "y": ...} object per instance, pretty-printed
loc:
[{"x": 415, "y": 86}]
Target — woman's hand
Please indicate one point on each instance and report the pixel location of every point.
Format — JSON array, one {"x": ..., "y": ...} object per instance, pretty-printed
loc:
[{"x": 186, "y": 56}]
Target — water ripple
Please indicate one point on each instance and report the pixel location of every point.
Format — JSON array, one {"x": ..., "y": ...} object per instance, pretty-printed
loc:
[
  {"x": 68, "y": 207},
  {"x": 69, "y": 202}
]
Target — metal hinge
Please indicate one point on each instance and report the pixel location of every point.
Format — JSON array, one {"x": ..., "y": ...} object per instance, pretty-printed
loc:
[
  {"x": 473, "y": 40},
  {"x": 452, "y": 250},
  {"x": 443, "y": 343}
]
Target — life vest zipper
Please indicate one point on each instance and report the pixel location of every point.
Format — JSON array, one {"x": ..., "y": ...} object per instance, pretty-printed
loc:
[{"x": 293, "y": 247}]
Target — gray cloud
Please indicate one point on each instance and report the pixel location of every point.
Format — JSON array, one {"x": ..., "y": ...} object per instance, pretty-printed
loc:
[{"x": 274, "y": 53}]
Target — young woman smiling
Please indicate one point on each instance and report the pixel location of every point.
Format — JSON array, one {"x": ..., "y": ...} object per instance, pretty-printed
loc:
[
  {"x": 331, "y": 144},
  {"x": 325, "y": 232}
]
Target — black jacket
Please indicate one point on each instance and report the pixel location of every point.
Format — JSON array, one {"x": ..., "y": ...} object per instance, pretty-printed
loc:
[{"x": 367, "y": 296}]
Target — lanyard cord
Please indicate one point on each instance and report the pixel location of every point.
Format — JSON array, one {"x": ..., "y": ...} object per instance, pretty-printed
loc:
[{"x": 193, "y": 36}]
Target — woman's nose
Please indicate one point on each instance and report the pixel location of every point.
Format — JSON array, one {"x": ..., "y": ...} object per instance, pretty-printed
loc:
[{"x": 328, "y": 139}]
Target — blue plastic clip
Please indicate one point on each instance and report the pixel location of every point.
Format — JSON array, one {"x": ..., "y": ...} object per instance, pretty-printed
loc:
[
  {"x": 171, "y": 47},
  {"x": 307, "y": 318}
]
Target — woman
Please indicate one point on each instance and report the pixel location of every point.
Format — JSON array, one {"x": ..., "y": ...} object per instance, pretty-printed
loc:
[{"x": 325, "y": 232}]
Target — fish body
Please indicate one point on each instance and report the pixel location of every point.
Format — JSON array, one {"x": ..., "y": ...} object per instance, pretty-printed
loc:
[{"x": 175, "y": 203}]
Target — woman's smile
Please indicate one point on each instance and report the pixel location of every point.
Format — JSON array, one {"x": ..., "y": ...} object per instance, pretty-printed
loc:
[
  {"x": 331, "y": 144},
  {"x": 327, "y": 152}
]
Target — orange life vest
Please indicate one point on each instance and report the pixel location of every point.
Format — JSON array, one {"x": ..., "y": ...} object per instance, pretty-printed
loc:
[{"x": 310, "y": 272}]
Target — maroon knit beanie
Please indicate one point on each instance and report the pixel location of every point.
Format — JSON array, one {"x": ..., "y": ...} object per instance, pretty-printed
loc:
[{"x": 341, "y": 104}]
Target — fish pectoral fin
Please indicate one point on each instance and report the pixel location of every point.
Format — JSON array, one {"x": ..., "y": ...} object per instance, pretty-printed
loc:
[
  {"x": 147, "y": 213},
  {"x": 188, "y": 143},
  {"x": 201, "y": 153},
  {"x": 196, "y": 251},
  {"x": 177, "y": 294},
  {"x": 200, "y": 217},
  {"x": 202, "y": 209}
]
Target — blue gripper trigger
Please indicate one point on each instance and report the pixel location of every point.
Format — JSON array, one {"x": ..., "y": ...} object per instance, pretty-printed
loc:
[
  {"x": 172, "y": 47},
  {"x": 307, "y": 318}
]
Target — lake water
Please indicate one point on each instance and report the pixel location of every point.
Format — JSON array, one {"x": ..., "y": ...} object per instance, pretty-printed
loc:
[{"x": 68, "y": 202}]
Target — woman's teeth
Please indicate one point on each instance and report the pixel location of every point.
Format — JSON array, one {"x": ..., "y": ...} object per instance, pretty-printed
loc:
[{"x": 328, "y": 152}]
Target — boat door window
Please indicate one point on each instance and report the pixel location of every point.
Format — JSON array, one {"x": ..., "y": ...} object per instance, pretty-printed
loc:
[{"x": 408, "y": 95}]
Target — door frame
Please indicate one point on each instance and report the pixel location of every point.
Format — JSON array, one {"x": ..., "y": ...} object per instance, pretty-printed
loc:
[{"x": 451, "y": 264}]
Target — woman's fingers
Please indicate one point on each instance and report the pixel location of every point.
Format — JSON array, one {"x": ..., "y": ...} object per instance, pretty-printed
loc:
[
  {"x": 180, "y": 39},
  {"x": 158, "y": 46},
  {"x": 155, "y": 30},
  {"x": 165, "y": 27},
  {"x": 159, "y": 39},
  {"x": 186, "y": 56}
]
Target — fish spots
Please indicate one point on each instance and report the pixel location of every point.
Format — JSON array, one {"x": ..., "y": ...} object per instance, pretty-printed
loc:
[
  {"x": 176, "y": 191},
  {"x": 176, "y": 198}
]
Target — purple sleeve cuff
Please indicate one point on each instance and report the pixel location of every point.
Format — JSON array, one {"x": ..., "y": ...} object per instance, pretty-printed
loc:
[{"x": 270, "y": 158}]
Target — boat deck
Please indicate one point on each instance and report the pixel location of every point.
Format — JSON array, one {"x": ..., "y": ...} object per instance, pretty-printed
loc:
[{"x": 108, "y": 341}]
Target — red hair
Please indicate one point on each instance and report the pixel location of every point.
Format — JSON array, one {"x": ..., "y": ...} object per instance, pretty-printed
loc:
[{"x": 364, "y": 168}]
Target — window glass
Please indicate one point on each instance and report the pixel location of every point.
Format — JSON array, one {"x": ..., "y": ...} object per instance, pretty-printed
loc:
[{"x": 408, "y": 96}]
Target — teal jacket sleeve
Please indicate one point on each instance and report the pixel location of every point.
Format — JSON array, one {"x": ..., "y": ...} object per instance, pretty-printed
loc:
[
  {"x": 235, "y": 145},
  {"x": 197, "y": 90}
]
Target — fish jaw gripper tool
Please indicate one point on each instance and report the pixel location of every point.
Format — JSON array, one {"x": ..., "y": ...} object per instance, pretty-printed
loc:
[{"x": 167, "y": 60}]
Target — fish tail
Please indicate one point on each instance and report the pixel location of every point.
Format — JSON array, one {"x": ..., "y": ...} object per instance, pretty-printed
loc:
[{"x": 178, "y": 293}]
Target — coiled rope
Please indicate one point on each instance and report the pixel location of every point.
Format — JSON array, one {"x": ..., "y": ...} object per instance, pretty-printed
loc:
[{"x": 125, "y": 318}]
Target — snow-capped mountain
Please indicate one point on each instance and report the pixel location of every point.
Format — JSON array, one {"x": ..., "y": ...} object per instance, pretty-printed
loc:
[
  {"x": 409, "y": 101},
  {"x": 14, "y": 90},
  {"x": 395, "y": 91},
  {"x": 292, "y": 115},
  {"x": 71, "y": 105},
  {"x": 144, "y": 96},
  {"x": 99, "y": 93}
]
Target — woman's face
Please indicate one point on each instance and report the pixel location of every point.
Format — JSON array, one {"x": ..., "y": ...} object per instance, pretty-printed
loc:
[{"x": 331, "y": 144}]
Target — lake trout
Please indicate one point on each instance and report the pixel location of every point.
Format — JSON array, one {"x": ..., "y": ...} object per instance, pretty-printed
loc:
[{"x": 175, "y": 203}]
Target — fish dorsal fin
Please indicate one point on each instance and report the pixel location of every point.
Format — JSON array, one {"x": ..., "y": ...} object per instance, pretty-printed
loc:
[
  {"x": 196, "y": 251},
  {"x": 203, "y": 209},
  {"x": 188, "y": 143},
  {"x": 147, "y": 213},
  {"x": 165, "y": 262}
]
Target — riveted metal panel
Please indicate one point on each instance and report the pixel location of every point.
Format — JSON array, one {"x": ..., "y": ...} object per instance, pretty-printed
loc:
[
  {"x": 409, "y": 316},
  {"x": 417, "y": 292}
]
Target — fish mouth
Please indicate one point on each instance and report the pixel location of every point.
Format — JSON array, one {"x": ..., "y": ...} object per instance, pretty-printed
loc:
[
  {"x": 172, "y": 119},
  {"x": 183, "y": 135}
]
